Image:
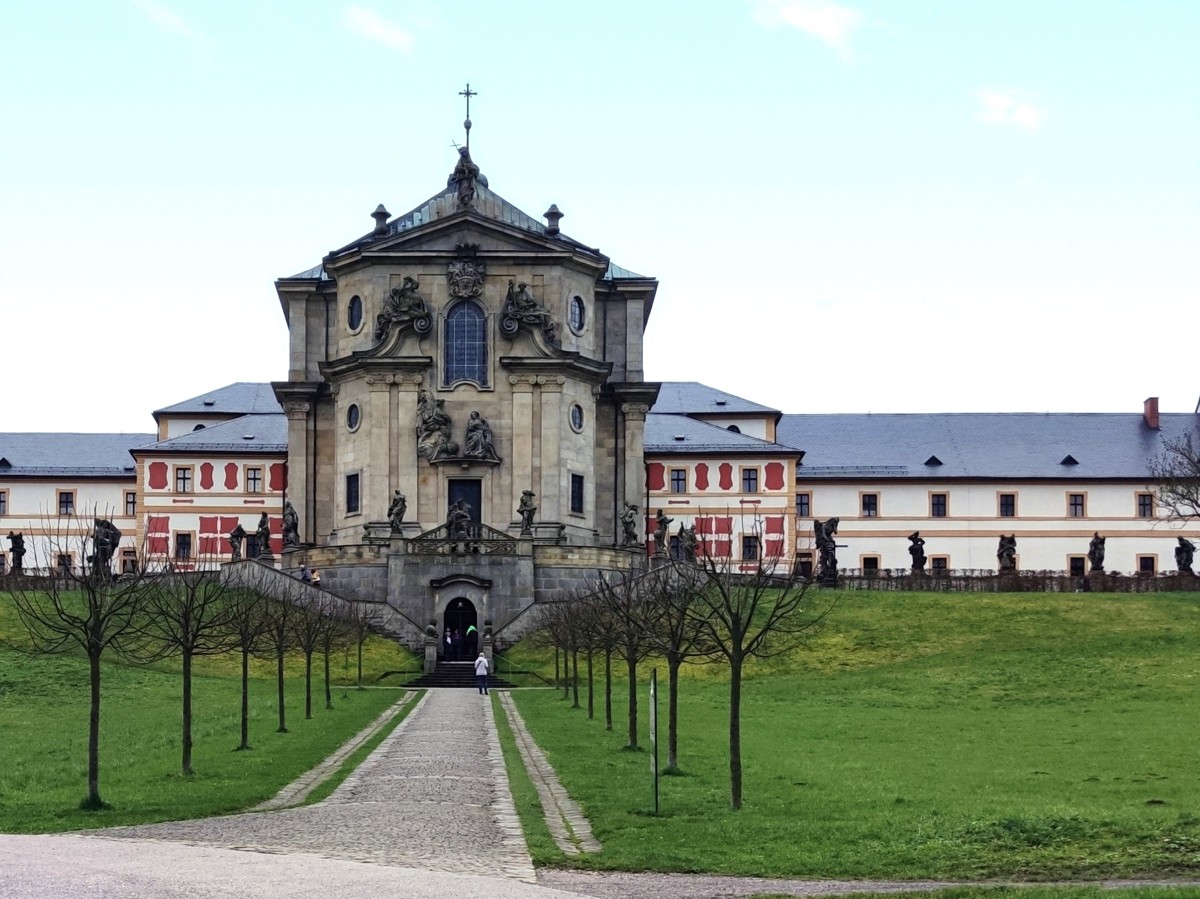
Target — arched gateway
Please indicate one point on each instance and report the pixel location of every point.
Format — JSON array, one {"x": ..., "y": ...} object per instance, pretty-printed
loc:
[{"x": 413, "y": 440}]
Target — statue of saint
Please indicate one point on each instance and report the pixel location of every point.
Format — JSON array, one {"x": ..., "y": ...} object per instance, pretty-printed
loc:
[
  {"x": 404, "y": 307},
  {"x": 629, "y": 524},
  {"x": 479, "y": 438},
  {"x": 688, "y": 542},
  {"x": 236, "y": 537},
  {"x": 916, "y": 549},
  {"x": 661, "y": 523},
  {"x": 1006, "y": 553},
  {"x": 1184, "y": 553},
  {"x": 16, "y": 543},
  {"x": 1095, "y": 552},
  {"x": 433, "y": 428},
  {"x": 105, "y": 537},
  {"x": 466, "y": 173},
  {"x": 396, "y": 509},
  {"x": 263, "y": 535},
  {"x": 823, "y": 536},
  {"x": 291, "y": 524},
  {"x": 526, "y": 510}
]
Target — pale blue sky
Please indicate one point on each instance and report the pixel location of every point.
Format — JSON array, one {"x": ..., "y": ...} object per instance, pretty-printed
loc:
[{"x": 861, "y": 206}]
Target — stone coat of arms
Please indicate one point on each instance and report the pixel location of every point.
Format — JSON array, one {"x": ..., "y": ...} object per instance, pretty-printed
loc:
[{"x": 466, "y": 278}]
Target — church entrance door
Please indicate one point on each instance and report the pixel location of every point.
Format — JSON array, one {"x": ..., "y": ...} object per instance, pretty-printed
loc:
[
  {"x": 470, "y": 491},
  {"x": 462, "y": 623}
]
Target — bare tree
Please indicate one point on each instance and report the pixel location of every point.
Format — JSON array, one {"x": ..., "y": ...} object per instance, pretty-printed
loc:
[
  {"x": 278, "y": 638},
  {"x": 310, "y": 622},
  {"x": 187, "y": 612},
  {"x": 360, "y": 619},
  {"x": 335, "y": 632},
  {"x": 751, "y": 614},
  {"x": 675, "y": 629},
  {"x": 81, "y": 605},
  {"x": 247, "y": 625},
  {"x": 623, "y": 599},
  {"x": 1175, "y": 477}
]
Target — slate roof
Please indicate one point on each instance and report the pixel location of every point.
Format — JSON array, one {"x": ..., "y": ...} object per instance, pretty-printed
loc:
[
  {"x": 980, "y": 445},
  {"x": 663, "y": 433},
  {"x": 241, "y": 398},
  {"x": 488, "y": 203},
  {"x": 694, "y": 398},
  {"x": 265, "y": 433},
  {"x": 69, "y": 455}
]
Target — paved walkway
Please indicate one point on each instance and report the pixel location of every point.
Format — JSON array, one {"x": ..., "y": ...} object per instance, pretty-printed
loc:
[{"x": 433, "y": 795}]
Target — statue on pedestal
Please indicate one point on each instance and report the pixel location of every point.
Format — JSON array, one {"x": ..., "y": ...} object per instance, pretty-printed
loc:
[
  {"x": 1184, "y": 553},
  {"x": 433, "y": 428},
  {"x": 916, "y": 549},
  {"x": 16, "y": 543},
  {"x": 262, "y": 535},
  {"x": 629, "y": 517},
  {"x": 396, "y": 510},
  {"x": 291, "y": 524},
  {"x": 661, "y": 523},
  {"x": 1006, "y": 553},
  {"x": 236, "y": 538},
  {"x": 823, "y": 536},
  {"x": 479, "y": 438},
  {"x": 1095, "y": 552},
  {"x": 526, "y": 510}
]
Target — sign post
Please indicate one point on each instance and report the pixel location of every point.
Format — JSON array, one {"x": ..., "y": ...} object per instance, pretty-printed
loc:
[{"x": 654, "y": 732}]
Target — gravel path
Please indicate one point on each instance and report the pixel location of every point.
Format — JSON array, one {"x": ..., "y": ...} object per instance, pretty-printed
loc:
[{"x": 433, "y": 795}]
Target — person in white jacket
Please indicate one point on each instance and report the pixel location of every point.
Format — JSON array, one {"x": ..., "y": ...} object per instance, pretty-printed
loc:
[{"x": 481, "y": 674}]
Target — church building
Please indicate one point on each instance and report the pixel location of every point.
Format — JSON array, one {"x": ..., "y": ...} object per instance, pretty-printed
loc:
[{"x": 465, "y": 407}]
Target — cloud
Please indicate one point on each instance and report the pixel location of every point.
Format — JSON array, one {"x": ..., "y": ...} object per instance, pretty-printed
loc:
[
  {"x": 832, "y": 24},
  {"x": 167, "y": 19},
  {"x": 374, "y": 27},
  {"x": 1007, "y": 107}
]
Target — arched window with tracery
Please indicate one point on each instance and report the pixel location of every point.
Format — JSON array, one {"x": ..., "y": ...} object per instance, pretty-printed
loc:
[{"x": 464, "y": 346}]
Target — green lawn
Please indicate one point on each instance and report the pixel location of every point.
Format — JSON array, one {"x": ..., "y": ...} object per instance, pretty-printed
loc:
[
  {"x": 922, "y": 735},
  {"x": 43, "y": 736}
]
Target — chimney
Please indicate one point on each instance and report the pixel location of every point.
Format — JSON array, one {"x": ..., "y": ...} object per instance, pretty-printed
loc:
[
  {"x": 1150, "y": 412},
  {"x": 552, "y": 216},
  {"x": 381, "y": 216}
]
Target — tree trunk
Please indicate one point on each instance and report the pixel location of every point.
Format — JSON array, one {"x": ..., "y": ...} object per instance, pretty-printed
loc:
[
  {"x": 608, "y": 688},
  {"x": 591, "y": 687},
  {"x": 279, "y": 686},
  {"x": 735, "y": 733},
  {"x": 360, "y": 646},
  {"x": 575, "y": 678},
  {"x": 308, "y": 684},
  {"x": 673, "y": 663},
  {"x": 328, "y": 695},
  {"x": 556, "y": 666},
  {"x": 631, "y": 667},
  {"x": 93, "y": 800},
  {"x": 245, "y": 744},
  {"x": 186, "y": 764}
]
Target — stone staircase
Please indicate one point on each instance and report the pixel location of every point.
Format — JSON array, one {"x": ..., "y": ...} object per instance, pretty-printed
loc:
[{"x": 456, "y": 674}]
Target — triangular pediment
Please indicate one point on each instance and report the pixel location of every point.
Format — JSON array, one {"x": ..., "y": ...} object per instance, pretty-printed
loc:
[{"x": 444, "y": 237}]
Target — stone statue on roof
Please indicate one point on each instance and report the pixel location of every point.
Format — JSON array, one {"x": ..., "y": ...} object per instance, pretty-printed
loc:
[{"x": 465, "y": 177}]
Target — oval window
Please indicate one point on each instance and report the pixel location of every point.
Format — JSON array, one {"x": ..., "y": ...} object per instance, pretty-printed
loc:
[
  {"x": 577, "y": 418},
  {"x": 353, "y": 417},
  {"x": 354, "y": 313},
  {"x": 577, "y": 314}
]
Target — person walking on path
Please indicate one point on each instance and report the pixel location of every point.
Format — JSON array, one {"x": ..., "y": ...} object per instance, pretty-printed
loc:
[{"x": 481, "y": 674}]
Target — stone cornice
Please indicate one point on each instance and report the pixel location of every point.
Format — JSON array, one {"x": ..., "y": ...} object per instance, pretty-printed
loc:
[{"x": 570, "y": 365}]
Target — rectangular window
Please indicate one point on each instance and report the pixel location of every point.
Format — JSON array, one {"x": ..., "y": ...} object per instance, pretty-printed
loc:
[
  {"x": 130, "y": 504},
  {"x": 64, "y": 563},
  {"x": 804, "y": 504},
  {"x": 1008, "y": 505},
  {"x": 805, "y": 564},
  {"x": 183, "y": 547},
  {"x": 1145, "y": 505},
  {"x": 1076, "y": 565},
  {"x": 938, "y": 505},
  {"x": 750, "y": 549},
  {"x": 129, "y": 561},
  {"x": 577, "y": 494},
  {"x": 352, "y": 493},
  {"x": 66, "y": 502},
  {"x": 3, "y": 502},
  {"x": 1075, "y": 505},
  {"x": 254, "y": 480},
  {"x": 939, "y": 563},
  {"x": 1147, "y": 564},
  {"x": 183, "y": 480},
  {"x": 749, "y": 480},
  {"x": 870, "y": 505},
  {"x": 679, "y": 480},
  {"x": 870, "y": 564}
]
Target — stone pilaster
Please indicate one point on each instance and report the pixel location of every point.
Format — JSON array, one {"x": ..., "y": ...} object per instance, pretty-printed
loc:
[
  {"x": 551, "y": 501},
  {"x": 378, "y": 471},
  {"x": 524, "y": 477},
  {"x": 300, "y": 465},
  {"x": 404, "y": 447},
  {"x": 633, "y": 416},
  {"x": 298, "y": 337}
]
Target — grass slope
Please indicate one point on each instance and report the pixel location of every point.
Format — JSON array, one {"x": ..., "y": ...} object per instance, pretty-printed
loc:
[
  {"x": 43, "y": 734},
  {"x": 922, "y": 735}
]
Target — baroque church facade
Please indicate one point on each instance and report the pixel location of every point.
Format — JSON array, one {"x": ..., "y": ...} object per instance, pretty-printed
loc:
[{"x": 466, "y": 410}]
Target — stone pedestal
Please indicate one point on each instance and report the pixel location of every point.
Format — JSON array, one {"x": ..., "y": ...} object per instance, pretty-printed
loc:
[{"x": 431, "y": 654}]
